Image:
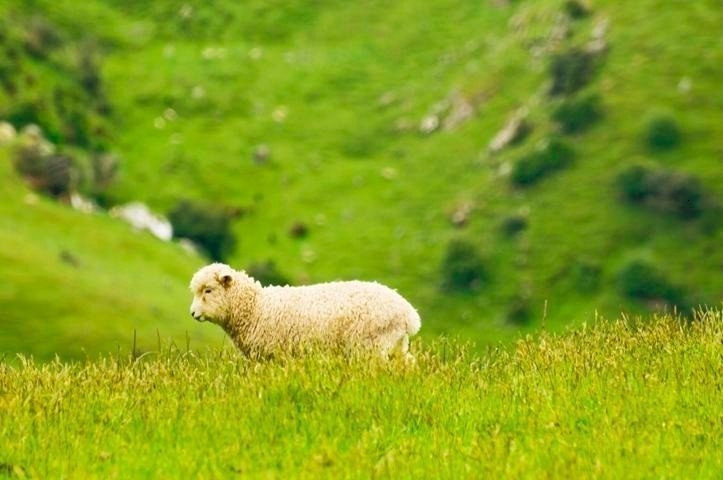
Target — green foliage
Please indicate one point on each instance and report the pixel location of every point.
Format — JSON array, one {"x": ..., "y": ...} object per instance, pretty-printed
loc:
[
  {"x": 586, "y": 276},
  {"x": 513, "y": 225},
  {"x": 50, "y": 173},
  {"x": 662, "y": 132},
  {"x": 554, "y": 156},
  {"x": 629, "y": 399},
  {"x": 267, "y": 273},
  {"x": 463, "y": 269},
  {"x": 641, "y": 280},
  {"x": 667, "y": 191},
  {"x": 519, "y": 310},
  {"x": 579, "y": 113},
  {"x": 571, "y": 70},
  {"x": 103, "y": 174},
  {"x": 40, "y": 36},
  {"x": 52, "y": 82},
  {"x": 576, "y": 10},
  {"x": 206, "y": 224}
]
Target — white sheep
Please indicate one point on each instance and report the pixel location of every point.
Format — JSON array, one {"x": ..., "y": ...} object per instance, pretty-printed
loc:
[{"x": 336, "y": 315}]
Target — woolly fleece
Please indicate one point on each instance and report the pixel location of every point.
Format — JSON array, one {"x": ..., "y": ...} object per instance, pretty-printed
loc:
[{"x": 336, "y": 315}]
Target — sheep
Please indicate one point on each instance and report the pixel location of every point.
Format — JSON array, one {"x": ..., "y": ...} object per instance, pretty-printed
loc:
[{"x": 336, "y": 316}]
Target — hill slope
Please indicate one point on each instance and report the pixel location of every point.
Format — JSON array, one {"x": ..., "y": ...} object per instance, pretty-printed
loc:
[
  {"x": 369, "y": 125},
  {"x": 79, "y": 285}
]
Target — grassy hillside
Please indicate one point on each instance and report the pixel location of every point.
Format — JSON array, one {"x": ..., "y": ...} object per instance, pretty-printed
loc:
[
  {"x": 370, "y": 123},
  {"x": 79, "y": 285},
  {"x": 632, "y": 399}
]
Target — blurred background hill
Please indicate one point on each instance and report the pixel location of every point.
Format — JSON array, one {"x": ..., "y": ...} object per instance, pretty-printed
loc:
[{"x": 500, "y": 163}]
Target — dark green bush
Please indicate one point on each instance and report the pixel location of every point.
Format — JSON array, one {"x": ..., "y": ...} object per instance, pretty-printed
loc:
[
  {"x": 634, "y": 184},
  {"x": 206, "y": 224},
  {"x": 267, "y": 273},
  {"x": 571, "y": 70},
  {"x": 576, "y": 9},
  {"x": 640, "y": 280},
  {"x": 463, "y": 269},
  {"x": 41, "y": 36},
  {"x": 662, "y": 132},
  {"x": 52, "y": 174},
  {"x": 513, "y": 225},
  {"x": 578, "y": 114},
  {"x": 554, "y": 156},
  {"x": 586, "y": 276},
  {"x": 666, "y": 191},
  {"x": 519, "y": 312}
]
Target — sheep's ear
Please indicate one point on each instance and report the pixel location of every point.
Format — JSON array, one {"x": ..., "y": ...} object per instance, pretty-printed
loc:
[{"x": 225, "y": 280}]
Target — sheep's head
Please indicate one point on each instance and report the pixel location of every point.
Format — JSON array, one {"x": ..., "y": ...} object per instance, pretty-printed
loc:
[
  {"x": 211, "y": 298},
  {"x": 209, "y": 287}
]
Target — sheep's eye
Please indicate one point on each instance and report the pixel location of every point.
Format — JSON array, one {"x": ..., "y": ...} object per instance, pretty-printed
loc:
[{"x": 208, "y": 290}]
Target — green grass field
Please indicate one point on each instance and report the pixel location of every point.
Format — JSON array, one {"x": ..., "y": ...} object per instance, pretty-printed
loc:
[{"x": 614, "y": 399}]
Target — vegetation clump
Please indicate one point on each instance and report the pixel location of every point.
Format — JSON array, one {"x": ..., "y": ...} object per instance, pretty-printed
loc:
[
  {"x": 576, "y": 10},
  {"x": 578, "y": 114},
  {"x": 662, "y": 132},
  {"x": 268, "y": 273},
  {"x": 638, "y": 279},
  {"x": 513, "y": 225},
  {"x": 463, "y": 269},
  {"x": 556, "y": 155},
  {"x": 667, "y": 191},
  {"x": 206, "y": 224},
  {"x": 571, "y": 70}
]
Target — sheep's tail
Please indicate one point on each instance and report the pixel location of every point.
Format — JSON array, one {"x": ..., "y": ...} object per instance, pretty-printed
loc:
[{"x": 414, "y": 323}]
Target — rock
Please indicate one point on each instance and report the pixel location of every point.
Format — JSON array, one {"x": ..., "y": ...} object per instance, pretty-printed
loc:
[
  {"x": 82, "y": 204},
  {"x": 461, "y": 213},
  {"x": 261, "y": 155},
  {"x": 461, "y": 111},
  {"x": 515, "y": 130},
  {"x": 7, "y": 133},
  {"x": 429, "y": 124},
  {"x": 141, "y": 217},
  {"x": 598, "y": 43}
]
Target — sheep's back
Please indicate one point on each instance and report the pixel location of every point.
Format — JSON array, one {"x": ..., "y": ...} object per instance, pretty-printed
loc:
[{"x": 351, "y": 306}]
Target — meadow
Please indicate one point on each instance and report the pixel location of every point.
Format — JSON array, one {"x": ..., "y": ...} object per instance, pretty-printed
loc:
[{"x": 629, "y": 398}]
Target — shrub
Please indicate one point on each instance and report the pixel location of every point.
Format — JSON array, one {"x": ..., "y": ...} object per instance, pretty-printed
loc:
[
  {"x": 576, "y": 10},
  {"x": 555, "y": 155},
  {"x": 41, "y": 36},
  {"x": 571, "y": 70},
  {"x": 53, "y": 174},
  {"x": 640, "y": 280},
  {"x": 667, "y": 191},
  {"x": 267, "y": 273},
  {"x": 103, "y": 172},
  {"x": 298, "y": 229},
  {"x": 513, "y": 225},
  {"x": 519, "y": 311},
  {"x": 586, "y": 276},
  {"x": 463, "y": 269},
  {"x": 662, "y": 132},
  {"x": 634, "y": 184},
  {"x": 578, "y": 114},
  {"x": 206, "y": 224}
]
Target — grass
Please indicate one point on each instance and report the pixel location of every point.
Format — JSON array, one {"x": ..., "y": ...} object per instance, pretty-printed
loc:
[
  {"x": 628, "y": 398},
  {"x": 79, "y": 285}
]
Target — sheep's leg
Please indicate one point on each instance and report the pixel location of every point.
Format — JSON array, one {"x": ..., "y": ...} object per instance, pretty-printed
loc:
[{"x": 395, "y": 344}]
